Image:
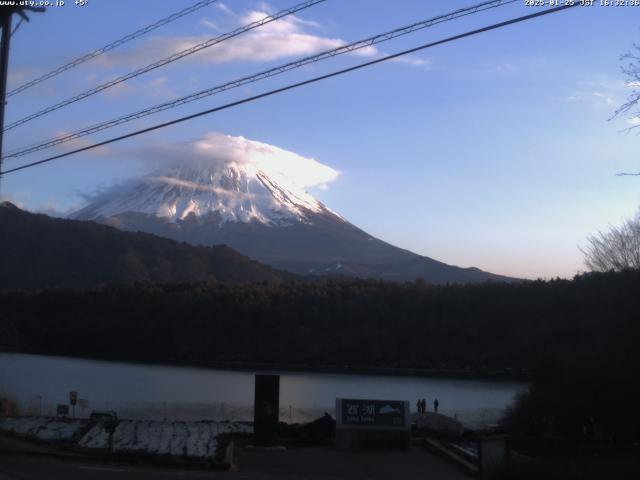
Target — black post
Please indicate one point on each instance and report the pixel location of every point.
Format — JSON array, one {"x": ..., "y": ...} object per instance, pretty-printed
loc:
[
  {"x": 266, "y": 409},
  {"x": 4, "y": 68}
]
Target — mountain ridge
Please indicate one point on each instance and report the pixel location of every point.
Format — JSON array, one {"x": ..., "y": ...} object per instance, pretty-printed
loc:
[{"x": 38, "y": 251}]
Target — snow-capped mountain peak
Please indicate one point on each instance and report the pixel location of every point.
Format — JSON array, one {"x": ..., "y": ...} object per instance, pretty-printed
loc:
[
  {"x": 250, "y": 185},
  {"x": 236, "y": 193}
]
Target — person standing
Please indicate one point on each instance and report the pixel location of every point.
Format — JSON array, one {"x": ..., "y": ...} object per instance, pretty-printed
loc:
[
  {"x": 419, "y": 405},
  {"x": 424, "y": 406},
  {"x": 435, "y": 405}
]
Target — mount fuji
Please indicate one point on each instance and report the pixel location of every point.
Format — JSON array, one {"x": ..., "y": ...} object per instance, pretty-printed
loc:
[{"x": 252, "y": 197}]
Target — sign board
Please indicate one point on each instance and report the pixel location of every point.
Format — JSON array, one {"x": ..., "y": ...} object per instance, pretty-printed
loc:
[
  {"x": 62, "y": 410},
  {"x": 73, "y": 397},
  {"x": 372, "y": 423},
  {"x": 372, "y": 413}
]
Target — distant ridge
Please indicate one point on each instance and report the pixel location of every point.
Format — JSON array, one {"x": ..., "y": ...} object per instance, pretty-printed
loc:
[{"x": 38, "y": 251}]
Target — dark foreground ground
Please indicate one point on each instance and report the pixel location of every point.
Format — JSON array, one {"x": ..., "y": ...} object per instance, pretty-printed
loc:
[
  {"x": 299, "y": 463},
  {"x": 21, "y": 460},
  {"x": 24, "y": 460},
  {"x": 325, "y": 462}
]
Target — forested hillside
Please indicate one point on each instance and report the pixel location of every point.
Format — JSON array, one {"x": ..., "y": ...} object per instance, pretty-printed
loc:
[
  {"x": 337, "y": 322},
  {"x": 37, "y": 251}
]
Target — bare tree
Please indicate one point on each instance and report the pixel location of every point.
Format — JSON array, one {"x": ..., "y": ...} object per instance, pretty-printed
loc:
[
  {"x": 631, "y": 69},
  {"x": 615, "y": 250},
  {"x": 619, "y": 248}
]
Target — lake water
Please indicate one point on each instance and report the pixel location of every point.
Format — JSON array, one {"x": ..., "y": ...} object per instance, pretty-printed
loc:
[{"x": 38, "y": 383}]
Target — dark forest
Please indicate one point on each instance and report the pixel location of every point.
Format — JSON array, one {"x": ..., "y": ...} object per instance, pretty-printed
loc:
[{"x": 576, "y": 340}]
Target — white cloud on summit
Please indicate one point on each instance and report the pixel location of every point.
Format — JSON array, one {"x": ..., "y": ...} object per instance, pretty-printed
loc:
[{"x": 288, "y": 167}]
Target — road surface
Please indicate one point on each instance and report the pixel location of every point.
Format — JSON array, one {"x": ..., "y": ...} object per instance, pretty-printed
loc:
[{"x": 296, "y": 463}]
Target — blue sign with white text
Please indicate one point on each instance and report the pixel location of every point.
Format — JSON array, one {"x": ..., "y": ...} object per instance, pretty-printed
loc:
[{"x": 375, "y": 413}]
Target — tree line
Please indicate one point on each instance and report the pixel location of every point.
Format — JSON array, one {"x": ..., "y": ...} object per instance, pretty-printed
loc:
[{"x": 577, "y": 340}]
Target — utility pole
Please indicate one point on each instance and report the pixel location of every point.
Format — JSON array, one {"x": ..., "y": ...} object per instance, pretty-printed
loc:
[
  {"x": 6, "y": 15},
  {"x": 4, "y": 67}
]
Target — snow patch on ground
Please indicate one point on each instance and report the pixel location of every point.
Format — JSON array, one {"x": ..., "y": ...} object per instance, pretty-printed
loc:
[
  {"x": 185, "y": 439},
  {"x": 42, "y": 428}
]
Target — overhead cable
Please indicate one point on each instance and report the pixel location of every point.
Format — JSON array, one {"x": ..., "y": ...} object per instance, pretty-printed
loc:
[
  {"x": 357, "y": 45},
  {"x": 110, "y": 46},
  {"x": 295, "y": 85},
  {"x": 165, "y": 61}
]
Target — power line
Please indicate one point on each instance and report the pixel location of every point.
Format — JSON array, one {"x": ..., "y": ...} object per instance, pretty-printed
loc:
[
  {"x": 295, "y": 85},
  {"x": 167, "y": 60},
  {"x": 383, "y": 37},
  {"x": 110, "y": 46},
  {"x": 15, "y": 29},
  {"x": 6, "y": 15}
]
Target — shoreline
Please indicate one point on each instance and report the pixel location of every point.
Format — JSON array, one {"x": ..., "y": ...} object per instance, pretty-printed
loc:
[{"x": 495, "y": 375}]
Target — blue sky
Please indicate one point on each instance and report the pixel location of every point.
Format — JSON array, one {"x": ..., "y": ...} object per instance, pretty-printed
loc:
[{"x": 494, "y": 151}]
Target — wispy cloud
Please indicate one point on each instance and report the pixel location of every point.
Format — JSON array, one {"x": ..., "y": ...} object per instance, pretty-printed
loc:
[
  {"x": 595, "y": 99},
  {"x": 510, "y": 66},
  {"x": 603, "y": 97},
  {"x": 412, "y": 61},
  {"x": 193, "y": 185},
  {"x": 81, "y": 143},
  {"x": 223, "y": 7},
  {"x": 17, "y": 76},
  {"x": 160, "y": 87},
  {"x": 20, "y": 75},
  {"x": 599, "y": 93},
  {"x": 211, "y": 24},
  {"x": 25, "y": 201},
  {"x": 287, "y": 37},
  {"x": 500, "y": 68},
  {"x": 17, "y": 199}
]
